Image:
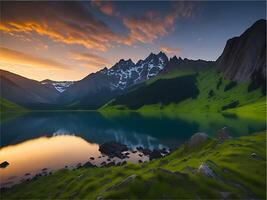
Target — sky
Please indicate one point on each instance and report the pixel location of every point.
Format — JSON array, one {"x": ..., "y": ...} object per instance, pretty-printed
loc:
[{"x": 69, "y": 40}]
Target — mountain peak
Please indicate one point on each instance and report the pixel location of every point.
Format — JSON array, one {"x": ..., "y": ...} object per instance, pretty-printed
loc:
[{"x": 244, "y": 55}]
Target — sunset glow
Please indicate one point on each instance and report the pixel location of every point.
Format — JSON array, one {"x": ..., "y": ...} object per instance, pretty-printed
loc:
[{"x": 69, "y": 40}]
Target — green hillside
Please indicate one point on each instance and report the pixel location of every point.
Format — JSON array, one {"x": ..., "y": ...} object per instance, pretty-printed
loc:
[
  {"x": 7, "y": 106},
  {"x": 216, "y": 94},
  {"x": 237, "y": 170}
]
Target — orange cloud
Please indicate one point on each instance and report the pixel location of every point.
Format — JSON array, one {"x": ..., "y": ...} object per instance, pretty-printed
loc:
[
  {"x": 169, "y": 50},
  {"x": 89, "y": 59},
  {"x": 69, "y": 23},
  {"x": 18, "y": 58},
  {"x": 72, "y": 23},
  {"x": 106, "y": 7},
  {"x": 152, "y": 25}
]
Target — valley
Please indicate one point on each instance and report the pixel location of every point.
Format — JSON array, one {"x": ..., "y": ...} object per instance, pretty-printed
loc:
[{"x": 162, "y": 127}]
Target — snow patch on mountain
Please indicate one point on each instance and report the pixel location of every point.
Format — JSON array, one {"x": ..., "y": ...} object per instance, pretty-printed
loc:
[
  {"x": 60, "y": 86},
  {"x": 125, "y": 73}
]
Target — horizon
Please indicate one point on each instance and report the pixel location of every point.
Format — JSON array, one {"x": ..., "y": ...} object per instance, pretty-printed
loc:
[{"x": 38, "y": 48}]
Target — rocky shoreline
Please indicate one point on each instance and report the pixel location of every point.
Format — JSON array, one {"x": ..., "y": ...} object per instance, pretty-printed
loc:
[{"x": 116, "y": 154}]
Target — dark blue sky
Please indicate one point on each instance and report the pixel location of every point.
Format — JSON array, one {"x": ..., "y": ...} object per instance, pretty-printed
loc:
[{"x": 73, "y": 39}]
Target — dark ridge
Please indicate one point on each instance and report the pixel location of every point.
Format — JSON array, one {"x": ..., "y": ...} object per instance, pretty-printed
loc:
[{"x": 163, "y": 91}]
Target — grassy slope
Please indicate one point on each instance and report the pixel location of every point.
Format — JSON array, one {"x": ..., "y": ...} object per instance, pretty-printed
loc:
[
  {"x": 7, "y": 106},
  {"x": 9, "y": 110},
  {"x": 207, "y": 81},
  {"x": 239, "y": 174}
]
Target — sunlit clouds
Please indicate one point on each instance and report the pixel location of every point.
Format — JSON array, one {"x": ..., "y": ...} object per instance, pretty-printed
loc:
[
  {"x": 106, "y": 7},
  {"x": 170, "y": 51},
  {"x": 15, "y": 57},
  {"x": 89, "y": 59},
  {"x": 71, "y": 39}
]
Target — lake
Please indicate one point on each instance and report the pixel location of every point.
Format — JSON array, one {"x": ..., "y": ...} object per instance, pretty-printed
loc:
[{"x": 47, "y": 141}]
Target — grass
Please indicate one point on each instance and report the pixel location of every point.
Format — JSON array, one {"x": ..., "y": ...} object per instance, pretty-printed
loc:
[
  {"x": 215, "y": 94},
  {"x": 174, "y": 176},
  {"x": 7, "y": 106},
  {"x": 9, "y": 110}
]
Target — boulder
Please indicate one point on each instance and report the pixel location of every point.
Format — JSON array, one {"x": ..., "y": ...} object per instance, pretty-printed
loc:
[
  {"x": 110, "y": 164},
  {"x": 197, "y": 139},
  {"x": 204, "y": 169},
  {"x": 88, "y": 165},
  {"x": 155, "y": 154},
  {"x": 113, "y": 149},
  {"x": 255, "y": 156},
  {"x": 223, "y": 134},
  {"x": 4, "y": 164}
]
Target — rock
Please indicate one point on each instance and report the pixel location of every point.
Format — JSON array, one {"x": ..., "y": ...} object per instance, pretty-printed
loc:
[
  {"x": 108, "y": 159},
  {"x": 79, "y": 165},
  {"x": 155, "y": 154},
  {"x": 113, "y": 148},
  {"x": 140, "y": 161},
  {"x": 92, "y": 158},
  {"x": 244, "y": 57},
  {"x": 27, "y": 174},
  {"x": 134, "y": 151},
  {"x": 88, "y": 165},
  {"x": 127, "y": 153},
  {"x": 163, "y": 151},
  {"x": 44, "y": 169},
  {"x": 123, "y": 163},
  {"x": 225, "y": 195},
  {"x": 103, "y": 163},
  {"x": 146, "y": 151},
  {"x": 140, "y": 155},
  {"x": 255, "y": 156},
  {"x": 197, "y": 139},
  {"x": 223, "y": 134},
  {"x": 139, "y": 148},
  {"x": 4, "y": 164},
  {"x": 118, "y": 164},
  {"x": 110, "y": 164},
  {"x": 205, "y": 170}
]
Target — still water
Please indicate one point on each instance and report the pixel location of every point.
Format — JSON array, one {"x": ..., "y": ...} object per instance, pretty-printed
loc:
[{"x": 53, "y": 140}]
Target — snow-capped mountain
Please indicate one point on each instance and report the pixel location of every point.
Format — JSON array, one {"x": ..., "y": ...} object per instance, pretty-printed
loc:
[
  {"x": 125, "y": 73},
  {"x": 60, "y": 86},
  {"x": 98, "y": 88}
]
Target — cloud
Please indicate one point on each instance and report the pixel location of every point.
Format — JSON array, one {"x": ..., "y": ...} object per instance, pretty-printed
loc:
[
  {"x": 91, "y": 60},
  {"x": 169, "y": 50},
  {"x": 71, "y": 22},
  {"x": 106, "y": 7},
  {"x": 68, "y": 22},
  {"x": 19, "y": 58},
  {"x": 153, "y": 24}
]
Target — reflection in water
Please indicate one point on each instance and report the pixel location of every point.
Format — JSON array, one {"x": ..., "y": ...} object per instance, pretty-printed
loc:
[
  {"x": 52, "y": 140},
  {"x": 51, "y": 153},
  {"x": 31, "y": 157}
]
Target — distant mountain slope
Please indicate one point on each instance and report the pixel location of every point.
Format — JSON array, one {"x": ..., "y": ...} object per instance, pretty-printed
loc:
[
  {"x": 244, "y": 57},
  {"x": 25, "y": 92},
  {"x": 98, "y": 88},
  {"x": 179, "y": 64},
  {"x": 60, "y": 86}
]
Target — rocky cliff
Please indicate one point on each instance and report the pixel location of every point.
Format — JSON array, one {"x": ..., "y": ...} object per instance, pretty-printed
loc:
[{"x": 244, "y": 57}]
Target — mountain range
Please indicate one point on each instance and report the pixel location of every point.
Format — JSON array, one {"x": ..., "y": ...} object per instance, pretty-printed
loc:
[{"x": 154, "y": 80}]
